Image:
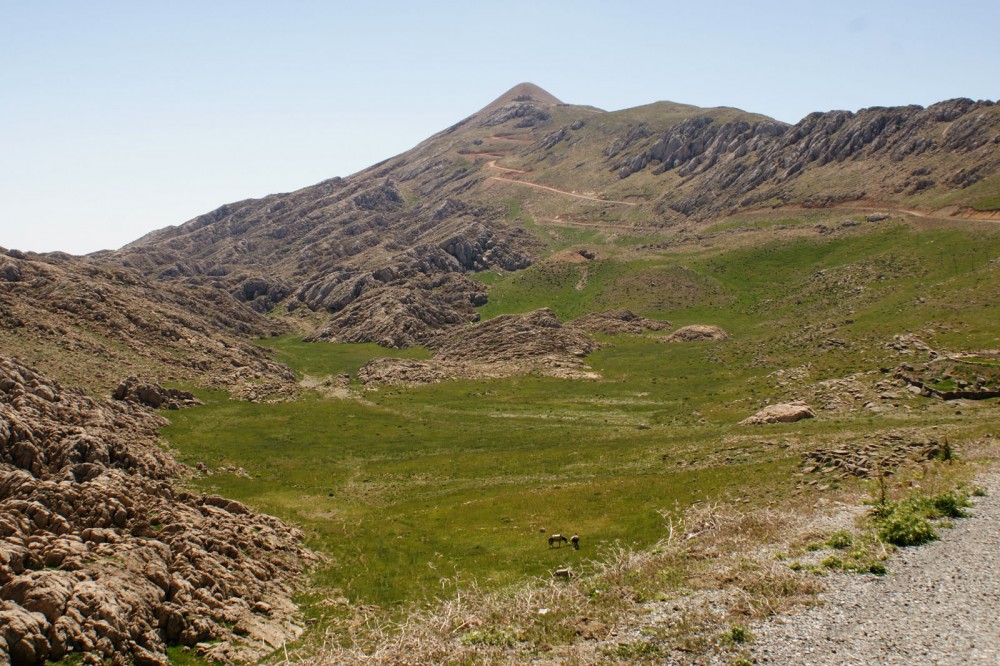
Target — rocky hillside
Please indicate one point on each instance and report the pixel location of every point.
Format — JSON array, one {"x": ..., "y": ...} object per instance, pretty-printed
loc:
[
  {"x": 535, "y": 342},
  {"x": 383, "y": 254},
  {"x": 93, "y": 324},
  {"x": 101, "y": 554}
]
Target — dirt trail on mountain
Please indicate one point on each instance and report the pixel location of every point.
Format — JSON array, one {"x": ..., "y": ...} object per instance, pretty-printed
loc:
[
  {"x": 938, "y": 605},
  {"x": 493, "y": 165}
]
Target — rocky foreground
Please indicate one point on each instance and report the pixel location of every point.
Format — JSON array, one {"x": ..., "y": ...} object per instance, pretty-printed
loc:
[{"x": 100, "y": 553}]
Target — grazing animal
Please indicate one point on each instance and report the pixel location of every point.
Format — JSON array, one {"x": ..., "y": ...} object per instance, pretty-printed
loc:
[
  {"x": 575, "y": 540},
  {"x": 557, "y": 538},
  {"x": 566, "y": 573}
]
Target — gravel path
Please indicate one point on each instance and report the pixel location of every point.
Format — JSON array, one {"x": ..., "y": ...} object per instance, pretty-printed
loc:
[{"x": 940, "y": 604}]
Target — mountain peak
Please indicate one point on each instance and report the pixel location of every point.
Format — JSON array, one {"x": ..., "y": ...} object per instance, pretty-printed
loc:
[{"x": 523, "y": 92}]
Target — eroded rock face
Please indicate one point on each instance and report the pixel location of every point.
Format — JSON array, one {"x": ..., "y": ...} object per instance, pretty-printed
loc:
[
  {"x": 788, "y": 412},
  {"x": 153, "y": 395},
  {"x": 535, "y": 342},
  {"x": 100, "y": 554},
  {"x": 405, "y": 312},
  {"x": 730, "y": 163},
  {"x": 618, "y": 322},
  {"x": 92, "y": 324}
]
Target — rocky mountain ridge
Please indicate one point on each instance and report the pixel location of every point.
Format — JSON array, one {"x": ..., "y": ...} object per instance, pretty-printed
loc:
[{"x": 383, "y": 255}]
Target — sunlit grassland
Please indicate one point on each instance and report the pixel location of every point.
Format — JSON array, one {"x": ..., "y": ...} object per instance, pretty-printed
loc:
[{"x": 403, "y": 488}]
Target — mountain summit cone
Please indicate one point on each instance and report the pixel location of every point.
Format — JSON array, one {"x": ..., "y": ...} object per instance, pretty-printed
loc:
[{"x": 522, "y": 92}]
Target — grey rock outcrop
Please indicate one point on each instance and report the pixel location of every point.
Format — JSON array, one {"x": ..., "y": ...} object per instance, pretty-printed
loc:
[
  {"x": 132, "y": 389},
  {"x": 535, "y": 342},
  {"x": 618, "y": 322}
]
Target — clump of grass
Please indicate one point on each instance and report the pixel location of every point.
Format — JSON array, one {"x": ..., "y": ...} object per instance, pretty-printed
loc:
[
  {"x": 908, "y": 522},
  {"x": 491, "y": 636},
  {"x": 903, "y": 526},
  {"x": 636, "y": 650},
  {"x": 833, "y": 562},
  {"x": 841, "y": 540}
]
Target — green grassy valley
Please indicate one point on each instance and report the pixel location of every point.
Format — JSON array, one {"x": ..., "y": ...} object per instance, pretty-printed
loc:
[{"x": 412, "y": 492}]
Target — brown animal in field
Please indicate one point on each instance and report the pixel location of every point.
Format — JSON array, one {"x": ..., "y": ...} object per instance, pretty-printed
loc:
[
  {"x": 575, "y": 540},
  {"x": 557, "y": 538}
]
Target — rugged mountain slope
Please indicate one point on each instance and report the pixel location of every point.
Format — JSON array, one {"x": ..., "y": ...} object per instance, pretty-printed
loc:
[
  {"x": 384, "y": 252},
  {"x": 93, "y": 324}
]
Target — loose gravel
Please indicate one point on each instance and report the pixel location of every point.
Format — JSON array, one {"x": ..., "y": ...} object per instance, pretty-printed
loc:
[{"x": 939, "y": 604}]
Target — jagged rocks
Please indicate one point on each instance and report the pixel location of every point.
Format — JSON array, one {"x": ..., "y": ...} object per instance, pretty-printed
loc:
[
  {"x": 970, "y": 376},
  {"x": 876, "y": 455},
  {"x": 401, "y": 371},
  {"x": 617, "y": 322},
  {"x": 100, "y": 554},
  {"x": 153, "y": 395},
  {"x": 93, "y": 324},
  {"x": 501, "y": 347},
  {"x": 697, "y": 332},
  {"x": 405, "y": 313},
  {"x": 788, "y": 412}
]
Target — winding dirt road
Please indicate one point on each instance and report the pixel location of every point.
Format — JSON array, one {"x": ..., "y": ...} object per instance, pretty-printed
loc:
[{"x": 508, "y": 179}]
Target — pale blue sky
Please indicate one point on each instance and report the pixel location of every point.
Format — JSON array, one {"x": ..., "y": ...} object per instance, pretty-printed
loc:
[{"x": 117, "y": 118}]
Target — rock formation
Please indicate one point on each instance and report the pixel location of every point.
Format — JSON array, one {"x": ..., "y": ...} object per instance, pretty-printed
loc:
[
  {"x": 788, "y": 412},
  {"x": 535, "y": 342},
  {"x": 696, "y": 332},
  {"x": 618, "y": 322},
  {"x": 153, "y": 395},
  {"x": 89, "y": 323},
  {"x": 100, "y": 554}
]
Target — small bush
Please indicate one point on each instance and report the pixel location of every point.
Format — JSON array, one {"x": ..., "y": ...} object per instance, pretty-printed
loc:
[
  {"x": 951, "y": 504},
  {"x": 841, "y": 540},
  {"x": 904, "y": 527},
  {"x": 878, "y": 568},
  {"x": 737, "y": 635},
  {"x": 833, "y": 562}
]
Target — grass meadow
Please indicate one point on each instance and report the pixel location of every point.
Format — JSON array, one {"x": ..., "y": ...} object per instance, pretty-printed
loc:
[{"x": 408, "y": 491}]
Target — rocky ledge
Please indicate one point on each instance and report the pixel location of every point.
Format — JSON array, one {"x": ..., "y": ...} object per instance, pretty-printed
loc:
[
  {"x": 534, "y": 342},
  {"x": 100, "y": 554},
  {"x": 618, "y": 322}
]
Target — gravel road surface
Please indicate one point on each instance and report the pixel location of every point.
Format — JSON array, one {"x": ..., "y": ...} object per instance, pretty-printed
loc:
[{"x": 940, "y": 604}]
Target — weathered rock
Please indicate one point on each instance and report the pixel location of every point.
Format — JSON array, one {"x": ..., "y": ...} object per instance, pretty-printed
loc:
[
  {"x": 617, "y": 322},
  {"x": 504, "y": 346},
  {"x": 696, "y": 332},
  {"x": 100, "y": 554},
  {"x": 153, "y": 395},
  {"x": 91, "y": 324},
  {"x": 781, "y": 413}
]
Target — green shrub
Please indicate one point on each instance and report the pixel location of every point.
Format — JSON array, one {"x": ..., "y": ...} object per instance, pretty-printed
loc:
[
  {"x": 841, "y": 540},
  {"x": 951, "y": 504},
  {"x": 905, "y": 527},
  {"x": 737, "y": 635}
]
